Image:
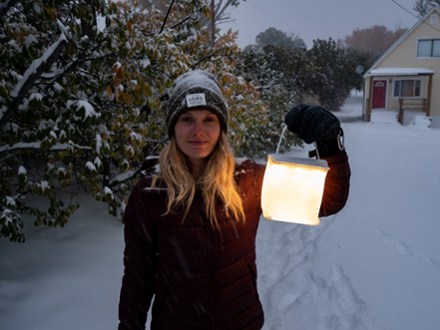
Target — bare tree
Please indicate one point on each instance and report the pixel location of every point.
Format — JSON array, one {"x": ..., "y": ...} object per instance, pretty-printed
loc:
[
  {"x": 374, "y": 40},
  {"x": 218, "y": 12},
  {"x": 422, "y": 7},
  {"x": 220, "y": 7}
]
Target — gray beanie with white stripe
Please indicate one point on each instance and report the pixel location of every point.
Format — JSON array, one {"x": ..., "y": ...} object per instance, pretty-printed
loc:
[{"x": 196, "y": 89}]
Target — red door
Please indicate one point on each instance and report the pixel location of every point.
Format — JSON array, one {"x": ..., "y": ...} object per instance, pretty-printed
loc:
[{"x": 379, "y": 94}]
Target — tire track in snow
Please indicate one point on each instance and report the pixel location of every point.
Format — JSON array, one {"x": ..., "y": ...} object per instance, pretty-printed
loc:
[{"x": 405, "y": 250}]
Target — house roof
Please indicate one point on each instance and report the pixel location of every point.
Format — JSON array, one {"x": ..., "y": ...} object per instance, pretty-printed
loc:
[
  {"x": 399, "y": 72},
  {"x": 402, "y": 37}
]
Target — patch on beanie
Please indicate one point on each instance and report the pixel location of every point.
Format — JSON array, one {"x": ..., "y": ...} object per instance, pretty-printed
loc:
[{"x": 195, "y": 100}]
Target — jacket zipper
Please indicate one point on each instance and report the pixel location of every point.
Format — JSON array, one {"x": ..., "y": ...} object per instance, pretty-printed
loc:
[{"x": 209, "y": 263}]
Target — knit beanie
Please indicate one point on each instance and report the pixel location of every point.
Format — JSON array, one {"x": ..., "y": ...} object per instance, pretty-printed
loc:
[{"x": 195, "y": 90}]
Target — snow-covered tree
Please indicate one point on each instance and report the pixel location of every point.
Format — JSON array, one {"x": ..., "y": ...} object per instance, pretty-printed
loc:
[
  {"x": 80, "y": 92},
  {"x": 277, "y": 38},
  {"x": 329, "y": 73},
  {"x": 324, "y": 74},
  {"x": 270, "y": 70},
  {"x": 48, "y": 103}
]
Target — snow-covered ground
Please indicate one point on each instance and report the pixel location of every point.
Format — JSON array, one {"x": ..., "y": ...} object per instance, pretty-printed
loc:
[{"x": 375, "y": 265}]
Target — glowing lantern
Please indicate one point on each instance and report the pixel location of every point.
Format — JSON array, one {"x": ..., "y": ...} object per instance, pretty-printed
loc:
[{"x": 292, "y": 189}]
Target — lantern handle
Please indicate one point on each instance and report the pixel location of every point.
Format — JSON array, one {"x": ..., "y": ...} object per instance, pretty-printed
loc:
[
  {"x": 325, "y": 148},
  {"x": 337, "y": 144},
  {"x": 283, "y": 131}
]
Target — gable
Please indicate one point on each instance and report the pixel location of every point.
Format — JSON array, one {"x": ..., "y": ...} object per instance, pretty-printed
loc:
[{"x": 403, "y": 53}]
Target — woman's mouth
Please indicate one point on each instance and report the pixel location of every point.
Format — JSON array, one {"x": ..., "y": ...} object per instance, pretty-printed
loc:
[{"x": 197, "y": 143}]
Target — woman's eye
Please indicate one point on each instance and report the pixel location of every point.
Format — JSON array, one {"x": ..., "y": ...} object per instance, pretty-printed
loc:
[
  {"x": 210, "y": 119},
  {"x": 186, "y": 119}
]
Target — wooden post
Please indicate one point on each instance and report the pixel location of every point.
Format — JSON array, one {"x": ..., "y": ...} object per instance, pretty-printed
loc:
[
  {"x": 428, "y": 98},
  {"x": 400, "y": 116},
  {"x": 370, "y": 98},
  {"x": 367, "y": 115}
]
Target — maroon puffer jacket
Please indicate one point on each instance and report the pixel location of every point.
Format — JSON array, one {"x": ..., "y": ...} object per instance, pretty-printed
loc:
[{"x": 201, "y": 277}]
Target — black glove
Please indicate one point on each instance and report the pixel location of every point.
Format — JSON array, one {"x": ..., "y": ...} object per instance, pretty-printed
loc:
[{"x": 315, "y": 124}]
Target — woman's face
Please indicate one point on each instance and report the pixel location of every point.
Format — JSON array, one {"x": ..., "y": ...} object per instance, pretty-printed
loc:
[{"x": 197, "y": 133}]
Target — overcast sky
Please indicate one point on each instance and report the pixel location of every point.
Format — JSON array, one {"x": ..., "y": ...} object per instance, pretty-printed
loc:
[{"x": 318, "y": 19}]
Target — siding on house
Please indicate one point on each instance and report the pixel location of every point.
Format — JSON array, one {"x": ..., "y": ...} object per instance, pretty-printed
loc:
[{"x": 403, "y": 54}]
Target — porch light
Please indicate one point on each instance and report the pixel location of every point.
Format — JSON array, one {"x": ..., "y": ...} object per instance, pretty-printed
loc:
[{"x": 292, "y": 189}]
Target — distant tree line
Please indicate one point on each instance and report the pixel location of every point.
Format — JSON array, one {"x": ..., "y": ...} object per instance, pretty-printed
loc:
[
  {"x": 373, "y": 41},
  {"x": 286, "y": 73}
]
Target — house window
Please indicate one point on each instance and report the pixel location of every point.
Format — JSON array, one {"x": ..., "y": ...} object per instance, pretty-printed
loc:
[
  {"x": 428, "y": 48},
  {"x": 407, "y": 88}
]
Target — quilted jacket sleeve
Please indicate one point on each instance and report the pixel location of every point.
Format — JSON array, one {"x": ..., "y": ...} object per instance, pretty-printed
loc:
[
  {"x": 337, "y": 184},
  {"x": 139, "y": 263}
]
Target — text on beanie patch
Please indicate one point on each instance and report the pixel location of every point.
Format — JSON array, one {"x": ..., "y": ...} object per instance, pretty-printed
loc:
[{"x": 195, "y": 100}]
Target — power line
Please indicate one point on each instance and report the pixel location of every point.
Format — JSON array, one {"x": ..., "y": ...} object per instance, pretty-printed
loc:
[
  {"x": 269, "y": 14},
  {"x": 291, "y": 29},
  {"x": 407, "y": 10},
  {"x": 420, "y": 19},
  {"x": 307, "y": 17}
]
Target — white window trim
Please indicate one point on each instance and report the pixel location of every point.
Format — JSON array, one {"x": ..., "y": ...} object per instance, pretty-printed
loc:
[
  {"x": 426, "y": 39},
  {"x": 408, "y": 78}
]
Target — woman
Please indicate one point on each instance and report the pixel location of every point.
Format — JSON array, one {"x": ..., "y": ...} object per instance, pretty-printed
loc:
[{"x": 190, "y": 230}]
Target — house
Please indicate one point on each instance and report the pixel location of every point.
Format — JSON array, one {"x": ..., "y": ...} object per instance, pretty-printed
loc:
[{"x": 406, "y": 78}]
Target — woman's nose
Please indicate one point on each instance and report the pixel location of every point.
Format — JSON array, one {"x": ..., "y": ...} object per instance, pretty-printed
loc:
[{"x": 198, "y": 127}]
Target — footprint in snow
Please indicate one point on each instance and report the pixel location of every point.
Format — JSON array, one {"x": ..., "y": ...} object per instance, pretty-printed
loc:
[{"x": 405, "y": 250}]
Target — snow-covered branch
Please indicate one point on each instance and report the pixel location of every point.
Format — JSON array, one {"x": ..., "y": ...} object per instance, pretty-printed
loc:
[
  {"x": 37, "y": 146},
  {"x": 5, "y": 5},
  {"x": 123, "y": 177},
  {"x": 34, "y": 72}
]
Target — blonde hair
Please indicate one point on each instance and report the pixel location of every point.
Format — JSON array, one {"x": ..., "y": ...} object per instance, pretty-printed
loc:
[{"x": 216, "y": 184}]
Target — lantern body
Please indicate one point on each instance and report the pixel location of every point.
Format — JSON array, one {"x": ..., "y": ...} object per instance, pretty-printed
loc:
[{"x": 292, "y": 189}]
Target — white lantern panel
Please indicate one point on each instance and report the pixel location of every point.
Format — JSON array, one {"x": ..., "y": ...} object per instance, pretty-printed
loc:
[{"x": 292, "y": 189}]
